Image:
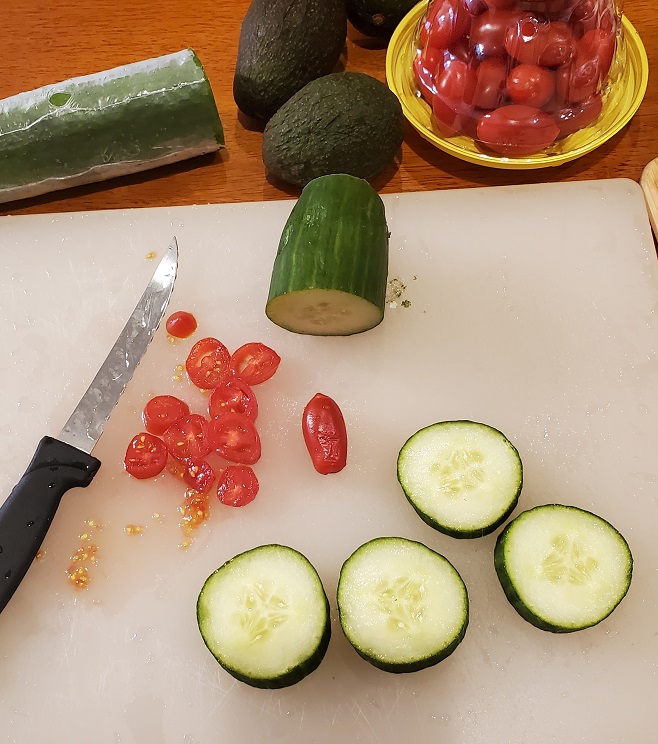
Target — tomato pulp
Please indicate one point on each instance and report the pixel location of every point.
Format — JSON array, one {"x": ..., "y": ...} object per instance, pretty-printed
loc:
[
  {"x": 237, "y": 485},
  {"x": 254, "y": 363},
  {"x": 163, "y": 411},
  {"x": 208, "y": 363}
]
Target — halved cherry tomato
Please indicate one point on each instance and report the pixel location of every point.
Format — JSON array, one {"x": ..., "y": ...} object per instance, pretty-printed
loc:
[
  {"x": 254, "y": 363},
  {"x": 489, "y": 31},
  {"x": 446, "y": 23},
  {"x": 533, "y": 41},
  {"x": 517, "y": 130},
  {"x": 236, "y": 438},
  {"x": 181, "y": 324},
  {"x": 236, "y": 396},
  {"x": 531, "y": 85},
  {"x": 146, "y": 456},
  {"x": 325, "y": 434},
  {"x": 491, "y": 80},
  {"x": 237, "y": 485},
  {"x": 198, "y": 474},
  {"x": 188, "y": 437},
  {"x": 163, "y": 411},
  {"x": 207, "y": 364}
]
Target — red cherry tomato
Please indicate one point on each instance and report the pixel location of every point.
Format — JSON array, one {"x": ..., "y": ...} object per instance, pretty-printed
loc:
[
  {"x": 454, "y": 117},
  {"x": 535, "y": 42},
  {"x": 491, "y": 80},
  {"x": 580, "y": 80},
  {"x": 146, "y": 456},
  {"x": 237, "y": 485},
  {"x": 207, "y": 364},
  {"x": 499, "y": 4},
  {"x": 188, "y": 437},
  {"x": 589, "y": 15},
  {"x": 163, "y": 411},
  {"x": 198, "y": 474},
  {"x": 254, "y": 363},
  {"x": 233, "y": 396},
  {"x": 531, "y": 85},
  {"x": 573, "y": 118},
  {"x": 489, "y": 31},
  {"x": 236, "y": 438},
  {"x": 446, "y": 23},
  {"x": 181, "y": 324},
  {"x": 425, "y": 65},
  {"x": 457, "y": 81},
  {"x": 325, "y": 435},
  {"x": 475, "y": 7},
  {"x": 517, "y": 130}
]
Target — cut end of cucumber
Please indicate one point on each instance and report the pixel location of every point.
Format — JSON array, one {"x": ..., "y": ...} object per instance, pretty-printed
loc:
[
  {"x": 323, "y": 312},
  {"x": 402, "y": 606},
  {"x": 562, "y": 568},
  {"x": 463, "y": 478},
  {"x": 265, "y": 617}
]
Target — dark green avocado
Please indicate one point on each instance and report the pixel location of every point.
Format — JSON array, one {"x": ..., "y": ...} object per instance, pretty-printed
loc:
[
  {"x": 346, "y": 122},
  {"x": 377, "y": 18},
  {"x": 285, "y": 44}
]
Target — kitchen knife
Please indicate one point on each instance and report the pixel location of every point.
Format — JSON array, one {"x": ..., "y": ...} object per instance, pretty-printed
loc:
[{"x": 66, "y": 462}]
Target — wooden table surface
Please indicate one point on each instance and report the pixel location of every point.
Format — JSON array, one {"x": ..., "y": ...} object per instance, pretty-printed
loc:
[{"x": 49, "y": 42}]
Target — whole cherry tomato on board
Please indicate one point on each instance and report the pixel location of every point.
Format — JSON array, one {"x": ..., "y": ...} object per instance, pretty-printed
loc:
[
  {"x": 207, "y": 364},
  {"x": 517, "y": 130},
  {"x": 162, "y": 411},
  {"x": 146, "y": 456},
  {"x": 325, "y": 435},
  {"x": 237, "y": 485},
  {"x": 181, "y": 324},
  {"x": 254, "y": 363}
]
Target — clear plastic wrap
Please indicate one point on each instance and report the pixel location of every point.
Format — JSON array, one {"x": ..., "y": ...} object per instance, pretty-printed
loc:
[
  {"x": 107, "y": 124},
  {"x": 516, "y": 77}
]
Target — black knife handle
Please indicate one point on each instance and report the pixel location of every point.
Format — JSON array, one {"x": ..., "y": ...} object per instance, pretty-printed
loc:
[{"x": 26, "y": 515}]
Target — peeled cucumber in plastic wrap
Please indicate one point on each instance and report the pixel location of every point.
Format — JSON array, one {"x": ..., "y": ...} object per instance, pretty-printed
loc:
[{"x": 91, "y": 128}]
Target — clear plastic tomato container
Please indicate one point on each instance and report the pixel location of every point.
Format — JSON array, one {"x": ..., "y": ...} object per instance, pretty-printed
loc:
[{"x": 517, "y": 83}]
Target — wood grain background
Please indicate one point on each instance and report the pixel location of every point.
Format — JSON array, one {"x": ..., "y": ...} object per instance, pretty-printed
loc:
[{"x": 50, "y": 42}]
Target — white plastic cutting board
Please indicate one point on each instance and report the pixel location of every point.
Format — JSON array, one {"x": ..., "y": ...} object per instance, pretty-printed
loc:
[{"x": 533, "y": 309}]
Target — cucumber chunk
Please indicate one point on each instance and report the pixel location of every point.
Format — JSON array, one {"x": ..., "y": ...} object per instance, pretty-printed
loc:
[
  {"x": 111, "y": 123},
  {"x": 402, "y": 606},
  {"x": 562, "y": 568},
  {"x": 463, "y": 478},
  {"x": 329, "y": 274},
  {"x": 264, "y": 616}
]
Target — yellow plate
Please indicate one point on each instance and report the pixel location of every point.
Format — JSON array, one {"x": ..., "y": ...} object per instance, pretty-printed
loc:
[{"x": 627, "y": 85}]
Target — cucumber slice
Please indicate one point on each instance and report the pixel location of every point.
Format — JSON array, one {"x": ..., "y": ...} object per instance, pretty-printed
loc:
[
  {"x": 402, "y": 606},
  {"x": 264, "y": 616},
  {"x": 108, "y": 124},
  {"x": 563, "y": 568},
  {"x": 463, "y": 478},
  {"x": 329, "y": 274}
]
